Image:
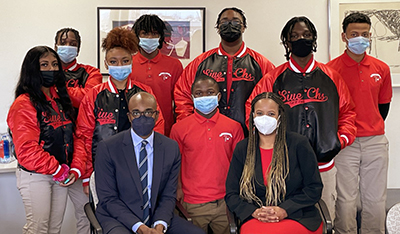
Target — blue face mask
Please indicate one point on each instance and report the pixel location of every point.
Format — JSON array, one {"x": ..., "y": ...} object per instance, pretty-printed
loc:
[
  {"x": 67, "y": 53},
  {"x": 149, "y": 45},
  {"x": 358, "y": 45},
  {"x": 206, "y": 104},
  {"x": 120, "y": 72}
]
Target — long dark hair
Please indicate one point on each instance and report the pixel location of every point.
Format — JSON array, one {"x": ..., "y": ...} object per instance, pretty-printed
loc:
[
  {"x": 31, "y": 81},
  {"x": 279, "y": 167}
]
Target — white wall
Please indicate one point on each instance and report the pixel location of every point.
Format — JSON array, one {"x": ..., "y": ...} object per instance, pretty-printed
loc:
[{"x": 25, "y": 24}]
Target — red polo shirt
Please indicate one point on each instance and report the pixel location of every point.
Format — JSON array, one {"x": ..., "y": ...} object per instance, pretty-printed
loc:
[
  {"x": 206, "y": 146},
  {"x": 161, "y": 74},
  {"x": 369, "y": 84}
]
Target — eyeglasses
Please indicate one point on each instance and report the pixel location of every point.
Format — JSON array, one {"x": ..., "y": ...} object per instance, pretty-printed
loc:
[
  {"x": 148, "y": 113},
  {"x": 234, "y": 22}
]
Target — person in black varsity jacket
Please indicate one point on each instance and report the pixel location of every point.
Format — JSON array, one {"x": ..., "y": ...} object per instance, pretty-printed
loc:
[{"x": 235, "y": 67}]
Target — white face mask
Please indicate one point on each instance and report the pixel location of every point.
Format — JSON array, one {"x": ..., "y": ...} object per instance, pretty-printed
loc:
[{"x": 265, "y": 124}]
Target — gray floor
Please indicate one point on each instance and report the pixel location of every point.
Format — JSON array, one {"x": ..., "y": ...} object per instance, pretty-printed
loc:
[{"x": 393, "y": 197}]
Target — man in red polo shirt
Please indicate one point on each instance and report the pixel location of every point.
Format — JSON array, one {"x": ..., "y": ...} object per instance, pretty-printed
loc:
[
  {"x": 235, "y": 67},
  {"x": 206, "y": 140},
  {"x": 363, "y": 166},
  {"x": 153, "y": 68}
]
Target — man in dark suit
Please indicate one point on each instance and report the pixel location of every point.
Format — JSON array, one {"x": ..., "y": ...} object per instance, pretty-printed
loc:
[{"x": 136, "y": 176}]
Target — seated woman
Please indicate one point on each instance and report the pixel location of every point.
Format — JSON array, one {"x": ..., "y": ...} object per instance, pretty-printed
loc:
[{"x": 273, "y": 181}]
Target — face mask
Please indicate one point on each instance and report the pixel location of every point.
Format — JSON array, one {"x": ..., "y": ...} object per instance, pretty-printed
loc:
[
  {"x": 48, "y": 78},
  {"x": 143, "y": 125},
  {"x": 149, "y": 44},
  {"x": 302, "y": 47},
  {"x": 265, "y": 124},
  {"x": 358, "y": 45},
  {"x": 206, "y": 104},
  {"x": 67, "y": 53},
  {"x": 229, "y": 32},
  {"x": 120, "y": 72}
]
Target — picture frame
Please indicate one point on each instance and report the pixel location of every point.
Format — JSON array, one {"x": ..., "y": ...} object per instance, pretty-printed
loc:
[
  {"x": 185, "y": 34},
  {"x": 385, "y": 21}
]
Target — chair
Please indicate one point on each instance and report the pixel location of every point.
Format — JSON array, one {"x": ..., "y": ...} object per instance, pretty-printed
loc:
[
  {"x": 90, "y": 208},
  {"x": 234, "y": 222},
  {"x": 393, "y": 219}
]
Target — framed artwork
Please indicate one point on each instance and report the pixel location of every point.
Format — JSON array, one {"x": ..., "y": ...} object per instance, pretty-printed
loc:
[
  {"x": 385, "y": 29},
  {"x": 184, "y": 37}
]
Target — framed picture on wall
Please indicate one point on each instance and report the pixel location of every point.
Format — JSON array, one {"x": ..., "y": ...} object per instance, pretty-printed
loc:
[
  {"x": 184, "y": 37},
  {"x": 385, "y": 29}
]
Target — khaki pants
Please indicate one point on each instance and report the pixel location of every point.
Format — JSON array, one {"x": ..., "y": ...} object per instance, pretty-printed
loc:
[
  {"x": 79, "y": 199},
  {"x": 329, "y": 194},
  {"x": 44, "y": 202},
  {"x": 211, "y": 214},
  {"x": 362, "y": 169}
]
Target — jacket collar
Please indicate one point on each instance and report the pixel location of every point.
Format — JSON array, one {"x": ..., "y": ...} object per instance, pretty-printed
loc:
[
  {"x": 72, "y": 66},
  {"x": 311, "y": 65},
  {"x": 238, "y": 54},
  {"x": 113, "y": 88}
]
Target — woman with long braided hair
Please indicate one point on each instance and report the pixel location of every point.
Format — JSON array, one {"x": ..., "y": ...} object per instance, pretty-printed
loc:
[{"x": 273, "y": 182}]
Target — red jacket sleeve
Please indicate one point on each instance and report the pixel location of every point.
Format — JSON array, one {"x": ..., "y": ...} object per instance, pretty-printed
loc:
[
  {"x": 85, "y": 125},
  {"x": 77, "y": 93},
  {"x": 159, "y": 127},
  {"x": 25, "y": 130},
  {"x": 182, "y": 93}
]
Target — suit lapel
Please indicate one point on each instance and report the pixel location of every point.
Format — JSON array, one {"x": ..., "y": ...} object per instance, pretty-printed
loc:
[
  {"x": 158, "y": 162},
  {"x": 129, "y": 154}
]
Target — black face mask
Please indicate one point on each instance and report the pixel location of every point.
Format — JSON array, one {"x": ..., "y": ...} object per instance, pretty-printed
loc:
[
  {"x": 229, "y": 32},
  {"x": 302, "y": 47},
  {"x": 143, "y": 125},
  {"x": 48, "y": 78}
]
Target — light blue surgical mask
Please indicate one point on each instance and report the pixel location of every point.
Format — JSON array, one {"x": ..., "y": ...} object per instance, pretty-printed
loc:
[
  {"x": 206, "y": 104},
  {"x": 120, "y": 72},
  {"x": 358, "y": 45},
  {"x": 67, "y": 53},
  {"x": 149, "y": 45}
]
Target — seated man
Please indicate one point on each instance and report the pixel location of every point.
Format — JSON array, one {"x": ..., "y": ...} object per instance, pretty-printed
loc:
[{"x": 136, "y": 176}]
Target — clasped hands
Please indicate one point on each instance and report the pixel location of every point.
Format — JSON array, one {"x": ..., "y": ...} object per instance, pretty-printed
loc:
[{"x": 269, "y": 214}]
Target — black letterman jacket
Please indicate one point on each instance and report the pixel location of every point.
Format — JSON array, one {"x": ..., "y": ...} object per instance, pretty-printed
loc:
[
  {"x": 42, "y": 142},
  {"x": 247, "y": 68}
]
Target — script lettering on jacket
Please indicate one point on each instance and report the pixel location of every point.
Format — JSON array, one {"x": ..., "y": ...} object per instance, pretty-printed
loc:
[
  {"x": 73, "y": 83},
  {"x": 238, "y": 75},
  {"x": 104, "y": 117},
  {"x": 310, "y": 95},
  {"x": 55, "y": 120}
]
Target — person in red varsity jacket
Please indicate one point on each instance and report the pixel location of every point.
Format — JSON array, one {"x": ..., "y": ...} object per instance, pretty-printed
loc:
[
  {"x": 151, "y": 67},
  {"x": 317, "y": 100},
  {"x": 80, "y": 77},
  {"x": 103, "y": 111},
  {"x": 41, "y": 121},
  {"x": 236, "y": 68}
]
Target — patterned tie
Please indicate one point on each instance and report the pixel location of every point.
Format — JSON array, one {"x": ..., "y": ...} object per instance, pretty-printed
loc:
[{"x": 143, "y": 178}]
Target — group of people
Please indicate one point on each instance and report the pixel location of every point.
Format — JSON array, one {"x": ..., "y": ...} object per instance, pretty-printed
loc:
[{"x": 313, "y": 131}]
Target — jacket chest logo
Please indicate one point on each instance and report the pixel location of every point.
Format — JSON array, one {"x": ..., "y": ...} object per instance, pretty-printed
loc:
[
  {"x": 73, "y": 83},
  {"x": 55, "y": 120},
  {"x": 308, "y": 95},
  {"x": 104, "y": 117},
  {"x": 238, "y": 75}
]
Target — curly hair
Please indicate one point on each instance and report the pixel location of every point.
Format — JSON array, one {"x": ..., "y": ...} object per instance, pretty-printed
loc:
[
  {"x": 150, "y": 23},
  {"x": 64, "y": 31},
  {"x": 123, "y": 38}
]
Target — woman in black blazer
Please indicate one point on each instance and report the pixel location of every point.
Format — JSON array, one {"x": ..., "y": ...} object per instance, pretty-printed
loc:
[{"x": 273, "y": 181}]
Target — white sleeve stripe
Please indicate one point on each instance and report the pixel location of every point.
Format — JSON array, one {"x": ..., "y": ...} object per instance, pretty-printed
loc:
[
  {"x": 58, "y": 169},
  {"x": 345, "y": 137},
  {"x": 77, "y": 171}
]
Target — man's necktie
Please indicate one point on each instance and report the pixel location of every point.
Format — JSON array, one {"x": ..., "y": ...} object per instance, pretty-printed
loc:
[{"x": 143, "y": 178}]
